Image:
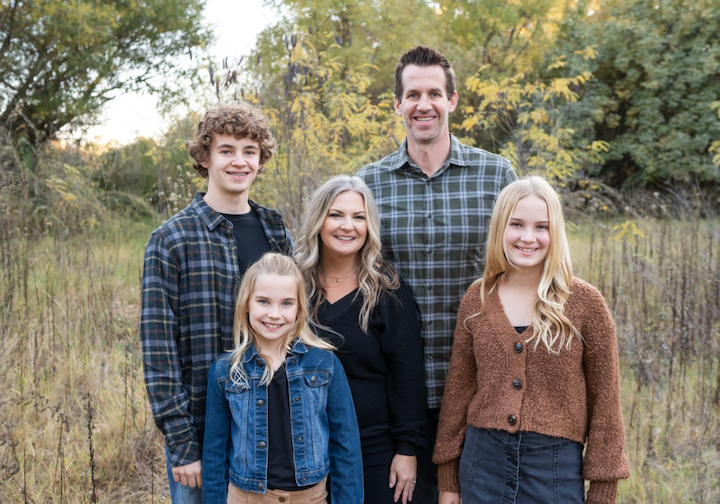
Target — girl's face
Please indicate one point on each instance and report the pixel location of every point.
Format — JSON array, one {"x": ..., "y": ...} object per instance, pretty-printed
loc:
[
  {"x": 527, "y": 235},
  {"x": 272, "y": 310},
  {"x": 344, "y": 229}
]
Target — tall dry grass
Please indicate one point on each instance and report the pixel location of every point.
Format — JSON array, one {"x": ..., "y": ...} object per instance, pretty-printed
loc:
[{"x": 74, "y": 421}]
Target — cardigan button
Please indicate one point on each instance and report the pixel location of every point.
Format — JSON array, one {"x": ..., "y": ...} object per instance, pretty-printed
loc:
[
  {"x": 517, "y": 384},
  {"x": 282, "y": 499},
  {"x": 518, "y": 347},
  {"x": 512, "y": 420}
]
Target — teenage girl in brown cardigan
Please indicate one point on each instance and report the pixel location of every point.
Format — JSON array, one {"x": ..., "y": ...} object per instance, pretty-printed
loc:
[{"x": 534, "y": 371}]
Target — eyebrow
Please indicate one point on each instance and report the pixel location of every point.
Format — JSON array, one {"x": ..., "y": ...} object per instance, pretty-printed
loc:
[{"x": 341, "y": 211}]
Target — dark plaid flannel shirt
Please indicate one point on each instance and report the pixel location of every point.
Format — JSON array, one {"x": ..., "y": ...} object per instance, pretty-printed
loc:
[
  {"x": 190, "y": 280},
  {"x": 434, "y": 230}
]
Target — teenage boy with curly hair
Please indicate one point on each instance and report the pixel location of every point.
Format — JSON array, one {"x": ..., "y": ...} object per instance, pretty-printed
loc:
[{"x": 193, "y": 265}]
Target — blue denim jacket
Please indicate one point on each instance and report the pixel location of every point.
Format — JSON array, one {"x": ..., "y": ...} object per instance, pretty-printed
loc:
[{"x": 324, "y": 426}]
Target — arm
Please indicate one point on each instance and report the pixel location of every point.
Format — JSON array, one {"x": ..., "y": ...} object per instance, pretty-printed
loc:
[
  {"x": 218, "y": 443},
  {"x": 460, "y": 388},
  {"x": 159, "y": 331},
  {"x": 398, "y": 326},
  {"x": 346, "y": 469},
  {"x": 604, "y": 461},
  {"x": 289, "y": 243}
]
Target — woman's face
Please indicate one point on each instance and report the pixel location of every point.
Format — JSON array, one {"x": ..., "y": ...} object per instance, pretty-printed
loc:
[
  {"x": 344, "y": 229},
  {"x": 527, "y": 235}
]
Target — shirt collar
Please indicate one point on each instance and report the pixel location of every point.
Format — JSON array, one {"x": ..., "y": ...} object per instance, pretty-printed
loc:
[
  {"x": 457, "y": 157},
  {"x": 298, "y": 347},
  {"x": 210, "y": 217}
]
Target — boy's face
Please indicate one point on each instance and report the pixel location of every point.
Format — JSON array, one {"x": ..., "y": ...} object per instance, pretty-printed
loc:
[{"x": 232, "y": 165}]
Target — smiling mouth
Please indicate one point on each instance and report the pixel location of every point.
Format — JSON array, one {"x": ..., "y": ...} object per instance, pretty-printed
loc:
[
  {"x": 345, "y": 238},
  {"x": 237, "y": 174},
  {"x": 272, "y": 326},
  {"x": 424, "y": 119},
  {"x": 526, "y": 250}
]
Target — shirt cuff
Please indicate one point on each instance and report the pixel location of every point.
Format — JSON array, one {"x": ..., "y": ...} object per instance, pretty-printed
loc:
[
  {"x": 602, "y": 492},
  {"x": 448, "y": 476},
  {"x": 409, "y": 449}
]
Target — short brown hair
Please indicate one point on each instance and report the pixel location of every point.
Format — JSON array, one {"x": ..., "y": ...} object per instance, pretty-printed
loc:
[
  {"x": 424, "y": 56},
  {"x": 241, "y": 121}
]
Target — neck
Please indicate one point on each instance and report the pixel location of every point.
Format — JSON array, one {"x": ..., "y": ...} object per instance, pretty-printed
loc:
[
  {"x": 429, "y": 156},
  {"x": 274, "y": 353},
  {"x": 337, "y": 266},
  {"x": 235, "y": 204},
  {"x": 524, "y": 279}
]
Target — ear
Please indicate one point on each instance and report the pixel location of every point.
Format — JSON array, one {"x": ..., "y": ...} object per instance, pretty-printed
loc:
[
  {"x": 397, "y": 106},
  {"x": 204, "y": 164},
  {"x": 454, "y": 101},
  {"x": 260, "y": 168}
]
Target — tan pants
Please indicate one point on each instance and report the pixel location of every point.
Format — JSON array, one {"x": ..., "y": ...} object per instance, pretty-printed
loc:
[{"x": 313, "y": 495}]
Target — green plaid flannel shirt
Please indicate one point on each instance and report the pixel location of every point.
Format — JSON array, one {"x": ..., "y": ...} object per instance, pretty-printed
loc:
[
  {"x": 190, "y": 280},
  {"x": 434, "y": 230}
]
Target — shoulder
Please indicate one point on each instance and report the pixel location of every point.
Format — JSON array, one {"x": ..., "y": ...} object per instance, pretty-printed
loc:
[
  {"x": 220, "y": 368},
  {"x": 587, "y": 307},
  {"x": 583, "y": 293},
  {"x": 374, "y": 173},
  {"x": 176, "y": 228},
  {"x": 481, "y": 156},
  {"x": 318, "y": 358},
  {"x": 265, "y": 213}
]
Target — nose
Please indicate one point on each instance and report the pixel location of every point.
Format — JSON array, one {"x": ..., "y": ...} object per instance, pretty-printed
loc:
[
  {"x": 528, "y": 235},
  {"x": 239, "y": 160},
  {"x": 423, "y": 102},
  {"x": 273, "y": 311},
  {"x": 346, "y": 223}
]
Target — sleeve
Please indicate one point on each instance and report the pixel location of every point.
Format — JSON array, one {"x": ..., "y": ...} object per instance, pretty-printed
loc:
[
  {"x": 460, "y": 388},
  {"x": 159, "y": 332},
  {"x": 605, "y": 461},
  {"x": 289, "y": 243},
  {"x": 346, "y": 468},
  {"x": 402, "y": 346},
  {"x": 217, "y": 444},
  {"x": 509, "y": 176}
]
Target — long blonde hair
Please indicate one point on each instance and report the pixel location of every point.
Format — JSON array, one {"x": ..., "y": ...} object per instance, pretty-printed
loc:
[
  {"x": 270, "y": 264},
  {"x": 374, "y": 275},
  {"x": 554, "y": 287}
]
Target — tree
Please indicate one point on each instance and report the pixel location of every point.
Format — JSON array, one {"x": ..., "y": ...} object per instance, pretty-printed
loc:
[
  {"x": 61, "y": 61},
  {"x": 657, "y": 74}
]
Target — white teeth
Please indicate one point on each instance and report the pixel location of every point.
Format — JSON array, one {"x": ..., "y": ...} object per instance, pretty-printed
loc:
[
  {"x": 424, "y": 119},
  {"x": 527, "y": 250},
  {"x": 344, "y": 238},
  {"x": 272, "y": 326}
]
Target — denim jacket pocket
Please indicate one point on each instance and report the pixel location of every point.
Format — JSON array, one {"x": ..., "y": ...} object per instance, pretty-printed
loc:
[
  {"x": 316, "y": 390},
  {"x": 317, "y": 385},
  {"x": 238, "y": 396}
]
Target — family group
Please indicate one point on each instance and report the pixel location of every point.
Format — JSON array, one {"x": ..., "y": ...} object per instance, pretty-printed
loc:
[{"x": 423, "y": 339}]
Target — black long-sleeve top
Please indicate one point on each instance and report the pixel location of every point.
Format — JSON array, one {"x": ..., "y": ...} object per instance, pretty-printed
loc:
[{"x": 384, "y": 367}]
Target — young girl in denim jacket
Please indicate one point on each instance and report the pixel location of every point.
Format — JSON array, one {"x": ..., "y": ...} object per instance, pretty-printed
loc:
[{"x": 280, "y": 416}]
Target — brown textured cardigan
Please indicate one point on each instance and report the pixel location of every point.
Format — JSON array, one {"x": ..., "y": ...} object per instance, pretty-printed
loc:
[{"x": 574, "y": 395}]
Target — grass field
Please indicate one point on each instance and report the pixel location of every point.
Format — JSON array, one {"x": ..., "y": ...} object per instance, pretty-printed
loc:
[{"x": 75, "y": 425}]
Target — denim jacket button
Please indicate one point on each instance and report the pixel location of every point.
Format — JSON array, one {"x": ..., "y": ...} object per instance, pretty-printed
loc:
[
  {"x": 262, "y": 445},
  {"x": 261, "y": 402},
  {"x": 313, "y": 379},
  {"x": 282, "y": 499},
  {"x": 260, "y": 486},
  {"x": 297, "y": 399},
  {"x": 299, "y": 439}
]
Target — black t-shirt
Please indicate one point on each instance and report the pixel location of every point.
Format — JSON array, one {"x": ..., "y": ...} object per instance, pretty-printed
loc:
[
  {"x": 249, "y": 237},
  {"x": 281, "y": 465}
]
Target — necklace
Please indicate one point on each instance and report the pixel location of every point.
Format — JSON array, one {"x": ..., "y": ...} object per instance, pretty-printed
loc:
[{"x": 340, "y": 278}]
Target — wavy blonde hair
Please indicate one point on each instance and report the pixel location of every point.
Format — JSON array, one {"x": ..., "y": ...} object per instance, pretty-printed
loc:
[
  {"x": 374, "y": 275},
  {"x": 550, "y": 325},
  {"x": 270, "y": 264}
]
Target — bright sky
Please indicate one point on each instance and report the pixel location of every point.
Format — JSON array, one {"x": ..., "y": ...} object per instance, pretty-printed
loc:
[{"x": 237, "y": 25}]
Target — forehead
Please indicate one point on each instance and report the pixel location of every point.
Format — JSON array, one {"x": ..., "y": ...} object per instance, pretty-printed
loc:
[
  {"x": 270, "y": 285},
  {"x": 531, "y": 207},
  {"x": 426, "y": 77},
  {"x": 229, "y": 140},
  {"x": 349, "y": 198}
]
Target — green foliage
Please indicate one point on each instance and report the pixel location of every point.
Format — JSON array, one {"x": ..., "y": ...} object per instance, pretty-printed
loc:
[
  {"x": 61, "y": 61},
  {"x": 656, "y": 75}
]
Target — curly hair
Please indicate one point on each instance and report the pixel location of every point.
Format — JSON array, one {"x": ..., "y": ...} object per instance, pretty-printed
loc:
[{"x": 241, "y": 121}]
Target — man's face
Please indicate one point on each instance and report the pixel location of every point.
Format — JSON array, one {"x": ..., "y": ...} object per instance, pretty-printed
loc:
[
  {"x": 425, "y": 105},
  {"x": 232, "y": 164}
]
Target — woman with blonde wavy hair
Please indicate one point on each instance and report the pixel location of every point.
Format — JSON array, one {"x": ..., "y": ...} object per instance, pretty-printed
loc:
[
  {"x": 367, "y": 311},
  {"x": 534, "y": 373}
]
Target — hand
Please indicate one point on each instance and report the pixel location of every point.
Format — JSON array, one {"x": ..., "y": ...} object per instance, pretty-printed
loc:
[
  {"x": 188, "y": 475},
  {"x": 403, "y": 471},
  {"x": 449, "y": 497}
]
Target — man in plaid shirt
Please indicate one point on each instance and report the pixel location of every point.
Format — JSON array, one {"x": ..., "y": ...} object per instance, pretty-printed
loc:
[
  {"x": 193, "y": 266},
  {"x": 435, "y": 197}
]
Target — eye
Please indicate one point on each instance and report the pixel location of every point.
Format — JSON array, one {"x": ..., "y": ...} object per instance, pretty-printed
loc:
[
  {"x": 543, "y": 226},
  {"x": 250, "y": 153},
  {"x": 333, "y": 214},
  {"x": 360, "y": 217},
  {"x": 436, "y": 94},
  {"x": 288, "y": 303},
  {"x": 262, "y": 301},
  {"x": 515, "y": 224},
  {"x": 225, "y": 151}
]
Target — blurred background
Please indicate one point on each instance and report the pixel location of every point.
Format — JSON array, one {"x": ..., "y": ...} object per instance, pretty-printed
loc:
[{"x": 617, "y": 103}]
